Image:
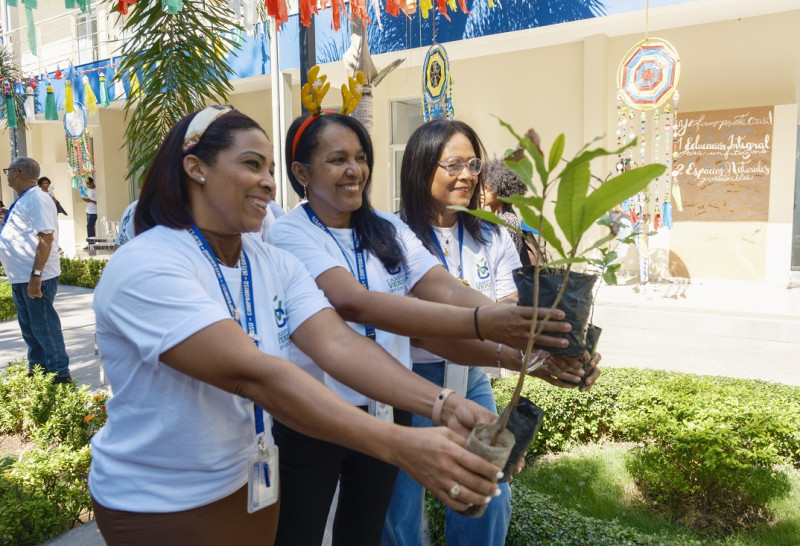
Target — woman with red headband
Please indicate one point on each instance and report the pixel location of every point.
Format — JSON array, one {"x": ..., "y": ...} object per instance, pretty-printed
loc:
[
  {"x": 367, "y": 263},
  {"x": 194, "y": 323}
]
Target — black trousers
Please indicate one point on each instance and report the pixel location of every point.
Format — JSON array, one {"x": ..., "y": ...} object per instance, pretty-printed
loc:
[{"x": 310, "y": 470}]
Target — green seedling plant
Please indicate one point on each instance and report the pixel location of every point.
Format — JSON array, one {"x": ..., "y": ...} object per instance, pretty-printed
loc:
[{"x": 577, "y": 208}]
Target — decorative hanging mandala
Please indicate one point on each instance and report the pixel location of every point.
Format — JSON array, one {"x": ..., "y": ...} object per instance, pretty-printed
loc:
[
  {"x": 649, "y": 74},
  {"x": 437, "y": 85},
  {"x": 75, "y": 121}
]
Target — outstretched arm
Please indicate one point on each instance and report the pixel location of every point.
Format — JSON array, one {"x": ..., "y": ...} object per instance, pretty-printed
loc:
[
  {"x": 222, "y": 355},
  {"x": 444, "y": 308}
]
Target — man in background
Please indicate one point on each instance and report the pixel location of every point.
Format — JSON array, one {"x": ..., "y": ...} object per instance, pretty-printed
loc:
[
  {"x": 28, "y": 236},
  {"x": 91, "y": 208}
]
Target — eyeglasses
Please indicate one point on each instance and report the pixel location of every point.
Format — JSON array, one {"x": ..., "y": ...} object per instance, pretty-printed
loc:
[
  {"x": 454, "y": 165},
  {"x": 8, "y": 170}
]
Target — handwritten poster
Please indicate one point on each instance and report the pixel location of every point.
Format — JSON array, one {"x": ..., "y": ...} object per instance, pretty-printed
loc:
[{"x": 724, "y": 164}]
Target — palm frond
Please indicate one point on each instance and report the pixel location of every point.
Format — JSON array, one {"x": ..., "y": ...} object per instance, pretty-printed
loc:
[{"x": 179, "y": 61}]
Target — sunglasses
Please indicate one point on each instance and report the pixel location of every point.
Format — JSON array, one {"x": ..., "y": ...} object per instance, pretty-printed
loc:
[{"x": 454, "y": 166}]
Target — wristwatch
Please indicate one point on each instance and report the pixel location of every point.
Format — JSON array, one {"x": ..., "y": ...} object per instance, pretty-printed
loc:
[{"x": 36, "y": 273}]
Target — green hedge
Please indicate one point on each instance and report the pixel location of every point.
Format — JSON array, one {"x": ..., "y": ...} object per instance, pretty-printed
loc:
[
  {"x": 536, "y": 519},
  {"x": 77, "y": 272},
  {"x": 44, "y": 492},
  {"x": 706, "y": 447},
  {"x": 7, "y": 309}
]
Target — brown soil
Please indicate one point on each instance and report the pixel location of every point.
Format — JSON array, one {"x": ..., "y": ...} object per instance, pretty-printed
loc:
[{"x": 13, "y": 444}]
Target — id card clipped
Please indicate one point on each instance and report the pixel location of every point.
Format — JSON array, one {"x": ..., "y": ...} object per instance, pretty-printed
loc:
[
  {"x": 263, "y": 477},
  {"x": 382, "y": 411}
]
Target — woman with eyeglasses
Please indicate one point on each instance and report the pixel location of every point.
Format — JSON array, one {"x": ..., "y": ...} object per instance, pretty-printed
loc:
[
  {"x": 367, "y": 263},
  {"x": 442, "y": 167}
]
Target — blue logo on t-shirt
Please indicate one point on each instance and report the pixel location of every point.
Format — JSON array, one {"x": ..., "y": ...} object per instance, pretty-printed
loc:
[
  {"x": 280, "y": 314},
  {"x": 483, "y": 269}
]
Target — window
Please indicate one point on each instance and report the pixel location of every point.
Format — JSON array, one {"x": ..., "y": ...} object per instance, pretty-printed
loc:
[
  {"x": 406, "y": 117},
  {"x": 86, "y": 35}
]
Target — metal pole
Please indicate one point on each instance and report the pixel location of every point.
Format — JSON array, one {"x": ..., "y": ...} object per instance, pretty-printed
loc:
[
  {"x": 277, "y": 114},
  {"x": 308, "y": 53}
]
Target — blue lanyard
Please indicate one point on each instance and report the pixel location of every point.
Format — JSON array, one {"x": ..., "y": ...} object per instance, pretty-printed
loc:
[
  {"x": 361, "y": 263},
  {"x": 440, "y": 252},
  {"x": 247, "y": 292},
  {"x": 8, "y": 214}
]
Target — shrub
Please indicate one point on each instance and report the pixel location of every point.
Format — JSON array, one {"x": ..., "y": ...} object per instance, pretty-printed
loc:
[
  {"x": 707, "y": 448},
  {"x": 572, "y": 417},
  {"x": 44, "y": 492},
  {"x": 77, "y": 272},
  {"x": 536, "y": 519},
  {"x": 7, "y": 309}
]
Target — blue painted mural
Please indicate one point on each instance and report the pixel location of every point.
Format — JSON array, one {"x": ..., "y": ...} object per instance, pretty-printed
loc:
[{"x": 397, "y": 33}]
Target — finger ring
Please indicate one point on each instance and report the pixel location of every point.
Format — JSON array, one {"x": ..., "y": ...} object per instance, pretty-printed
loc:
[{"x": 455, "y": 491}]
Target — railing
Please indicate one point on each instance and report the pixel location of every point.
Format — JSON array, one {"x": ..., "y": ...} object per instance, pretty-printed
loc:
[{"x": 70, "y": 37}]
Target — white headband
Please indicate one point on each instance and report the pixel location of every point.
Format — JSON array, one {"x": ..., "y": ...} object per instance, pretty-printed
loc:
[{"x": 200, "y": 122}]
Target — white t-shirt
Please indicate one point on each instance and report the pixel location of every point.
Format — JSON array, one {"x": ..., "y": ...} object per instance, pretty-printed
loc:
[
  {"x": 172, "y": 442},
  {"x": 319, "y": 252},
  {"x": 269, "y": 219},
  {"x": 34, "y": 212},
  {"x": 126, "y": 230},
  {"x": 487, "y": 267},
  {"x": 91, "y": 208}
]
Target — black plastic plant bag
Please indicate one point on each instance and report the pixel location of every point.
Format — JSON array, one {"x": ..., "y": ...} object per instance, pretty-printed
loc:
[
  {"x": 576, "y": 303},
  {"x": 524, "y": 423}
]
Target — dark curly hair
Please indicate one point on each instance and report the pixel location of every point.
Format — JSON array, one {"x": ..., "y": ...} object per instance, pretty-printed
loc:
[{"x": 501, "y": 180}]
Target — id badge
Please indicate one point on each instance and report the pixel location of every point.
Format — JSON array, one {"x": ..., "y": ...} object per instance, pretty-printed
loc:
[
  {"x": 382, "y": 411},
  {"x": 262, "y": 483},
  {"x": 456, "y": 377}
]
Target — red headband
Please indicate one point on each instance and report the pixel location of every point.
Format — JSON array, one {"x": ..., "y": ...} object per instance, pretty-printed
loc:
[{"x": 303, "y": 126}]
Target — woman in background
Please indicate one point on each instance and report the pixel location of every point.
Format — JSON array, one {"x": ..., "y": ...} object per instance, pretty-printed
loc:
[{"x": 442, "y": 167}]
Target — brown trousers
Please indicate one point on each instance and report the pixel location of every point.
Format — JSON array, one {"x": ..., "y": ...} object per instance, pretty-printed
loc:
[{"x": 225, "y": 521}]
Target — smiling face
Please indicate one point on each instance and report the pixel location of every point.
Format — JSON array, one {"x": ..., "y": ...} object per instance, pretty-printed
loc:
[
  {"x": 231, "y": 195},
  {"x": 336, "y": 176},
  {"x": 447, "y": 190}
]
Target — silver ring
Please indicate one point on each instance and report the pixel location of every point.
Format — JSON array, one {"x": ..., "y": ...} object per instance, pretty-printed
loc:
[{"x": 455, "y": 491}]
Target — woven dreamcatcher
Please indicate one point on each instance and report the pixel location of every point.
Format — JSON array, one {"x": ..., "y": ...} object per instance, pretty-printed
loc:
[
  {"x": 647, "y": 103},
  {"x": 79, "y": 157},
  {"x": 437, "y": 85}
]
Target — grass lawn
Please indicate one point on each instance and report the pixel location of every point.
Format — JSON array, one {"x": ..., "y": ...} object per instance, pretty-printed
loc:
[{"x": 593, "y": 481}]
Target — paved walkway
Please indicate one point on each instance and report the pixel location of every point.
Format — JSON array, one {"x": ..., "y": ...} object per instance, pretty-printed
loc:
[{"x": 737, "y": 329}]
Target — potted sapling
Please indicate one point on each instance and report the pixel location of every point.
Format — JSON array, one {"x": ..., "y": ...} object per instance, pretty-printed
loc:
[{"x": 562, "y": 207}]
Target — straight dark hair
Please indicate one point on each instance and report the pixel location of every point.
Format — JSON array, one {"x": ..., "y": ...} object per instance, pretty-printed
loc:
[
  {"x": 420, "y": 161},
  {"x": 164, "y": 199},
  {"x": 377, "y": 235}
]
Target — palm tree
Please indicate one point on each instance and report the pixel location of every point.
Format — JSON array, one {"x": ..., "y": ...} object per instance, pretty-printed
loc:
[
  {"x": 179, "y": 61},
  {"x": 10, "y": 72}
]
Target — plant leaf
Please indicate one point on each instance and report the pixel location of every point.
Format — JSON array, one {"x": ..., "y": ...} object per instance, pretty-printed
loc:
[
  {"x": 556, "y": 152},
  {"x": 521, "y": 201},
  {"x": 572, "y": 188},
  {"x": 488, "y": 216},
  {"x": 618, "y": 189},
  {"x": 532, "y": 149},
  {"x": 524, "y": 168}
]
